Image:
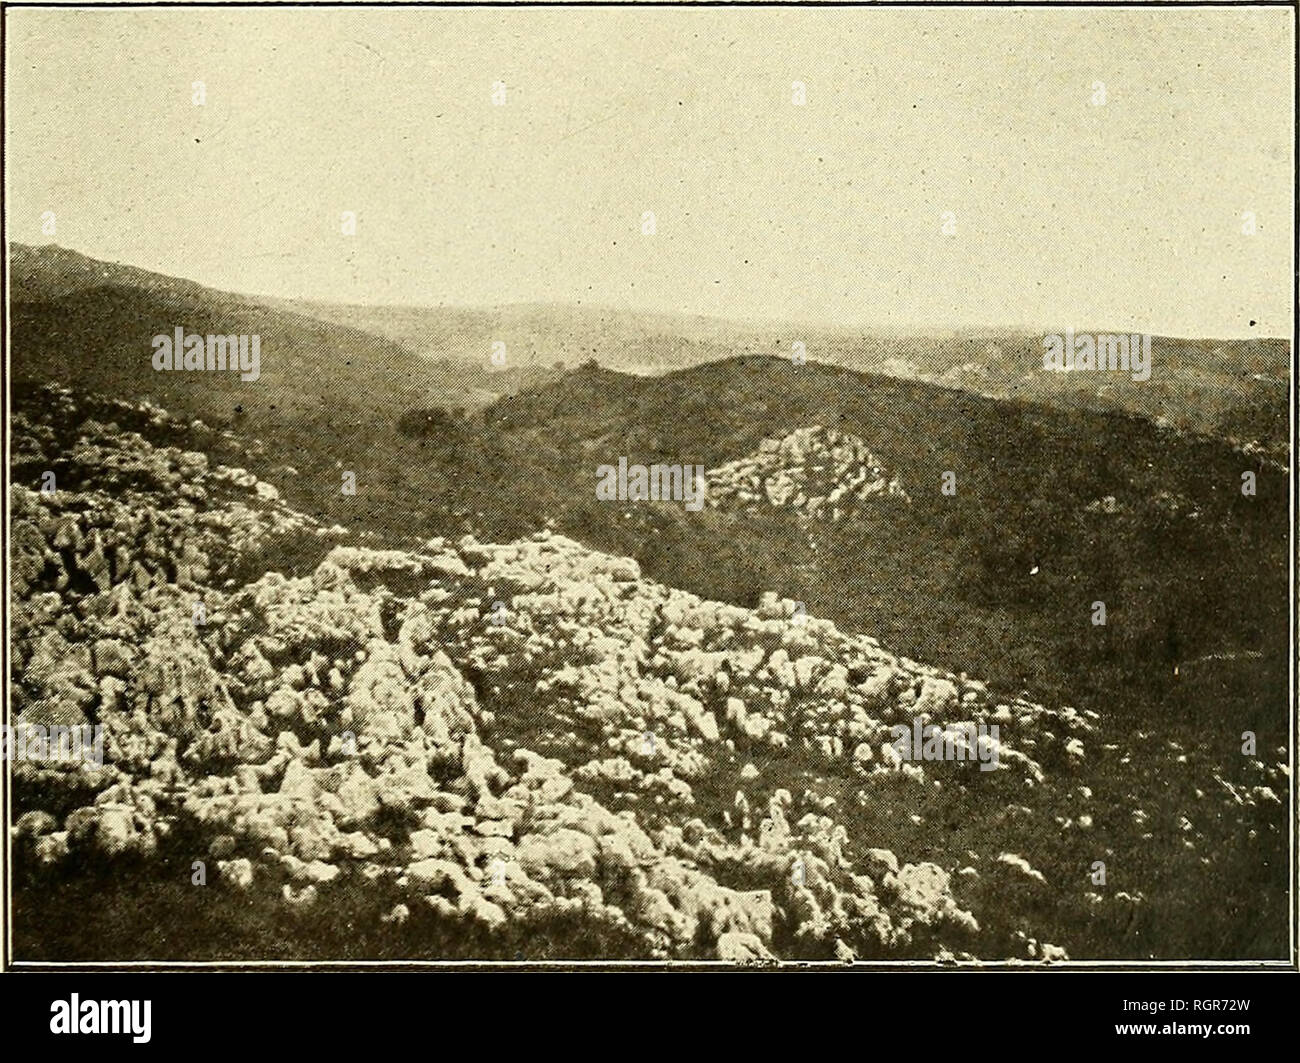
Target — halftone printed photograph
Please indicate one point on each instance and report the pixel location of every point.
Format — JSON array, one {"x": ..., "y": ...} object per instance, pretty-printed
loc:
[{"x": 792, "y": 487}]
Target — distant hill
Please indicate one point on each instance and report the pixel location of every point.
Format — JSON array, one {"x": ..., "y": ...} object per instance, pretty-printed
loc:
[
  {"x": 1234, "y": 390},
  {"x": 102, "y": 337},
  {"x": 537, "y": 334},
  {"x": 79, "y": 322},
  {"x": 41, "y": 273}
]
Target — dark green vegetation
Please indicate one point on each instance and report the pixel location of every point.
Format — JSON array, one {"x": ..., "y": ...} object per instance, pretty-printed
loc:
[{"x": 997, "y": 581}]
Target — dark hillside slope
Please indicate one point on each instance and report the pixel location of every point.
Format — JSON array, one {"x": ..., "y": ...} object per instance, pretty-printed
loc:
[
  {"x": 102, "y": 339},
  {"x": 1000, "y": 576},
  {"x": 311, "y": 371}
]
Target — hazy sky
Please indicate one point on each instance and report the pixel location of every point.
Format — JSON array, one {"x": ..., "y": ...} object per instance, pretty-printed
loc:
[{"x": 1125, "y": 215}]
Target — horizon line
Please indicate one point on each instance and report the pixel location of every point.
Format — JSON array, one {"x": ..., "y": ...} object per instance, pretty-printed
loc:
[{"x": 916, "y": 331}]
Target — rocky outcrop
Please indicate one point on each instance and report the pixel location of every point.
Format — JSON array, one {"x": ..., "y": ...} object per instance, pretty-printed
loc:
[{"x": 820, "y": 473}]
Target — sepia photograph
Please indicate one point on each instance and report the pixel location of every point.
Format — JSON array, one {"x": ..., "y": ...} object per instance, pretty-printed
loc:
[{"x": 565, "y": 487}]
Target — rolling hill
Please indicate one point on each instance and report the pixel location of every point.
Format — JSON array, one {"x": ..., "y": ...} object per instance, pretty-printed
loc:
[{"x": 1235, "y": 390}]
